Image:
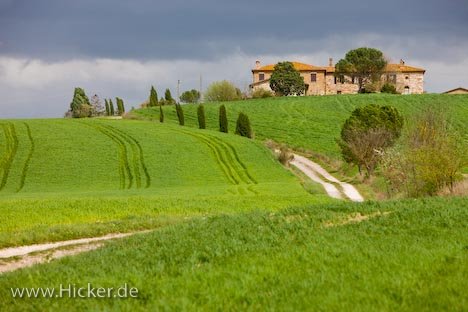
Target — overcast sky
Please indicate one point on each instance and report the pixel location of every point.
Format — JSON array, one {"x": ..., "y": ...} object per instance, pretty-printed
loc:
[{"x": 121, "y": 48}]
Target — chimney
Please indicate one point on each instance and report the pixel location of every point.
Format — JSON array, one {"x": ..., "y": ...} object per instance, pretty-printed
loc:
[
  {"x": 330, "y": 62},
  {"x": 257, "y": 64},
  {"x": 402, "y": 62}
]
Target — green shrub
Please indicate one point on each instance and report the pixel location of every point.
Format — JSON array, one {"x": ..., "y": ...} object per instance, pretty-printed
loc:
[
  {"x": 201, "y": 117},
  {"x": 243, "y": 127},
  {"x": 223, "y": 121},
  {"x": 192, "y": 96},
  {"x": 262, "y": 93},
  {"x": 222, "y": 91},
  {"x": 388, "y": 88},
  {"x": 429, "y": 158},
  {"x": 180, "y": 114}
]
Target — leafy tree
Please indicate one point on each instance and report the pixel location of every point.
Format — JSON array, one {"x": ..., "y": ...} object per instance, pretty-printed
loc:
[
  {"x": 161, "y": 114},
  {"x": 153, "y": 101},
  {"x": 192, "y": 96},
  {"x": 111, "y": 108},
  {"x": 364, "y": 64},
  {"x": 96, "y": 106},
  {"x": 286, "y": 80},
  {"x": 221, "y": 91},
  {"x": 168, "y": 100},
  {"x": 180, "y": 114},
  {"x": 107, "y": 108},
  {"x": 243, "y": 127},
  {"x": 201, "y": 117},
  {"x": 223, "y": 122},
  {"x": 367, "y": 133},
  {"x": 79, "y": 99}
]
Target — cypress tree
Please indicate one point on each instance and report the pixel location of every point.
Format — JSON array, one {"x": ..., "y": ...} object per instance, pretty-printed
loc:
[
  {"x": 243, "y": 127},
  {"x": 107, "y": 108},
  {"x": 223, "y": 122},
  {"x": 153, "y": 101},
  {"x": 111, "y": 107},
  {"x": 168, "y": 97},
  {"x": 161, "y": 114},
  {"x": 122, "y": 106},
  {"x": 180, "y": 114},
  {"x": 79, "y": 99},
  {"x": 201, "y": 117}
]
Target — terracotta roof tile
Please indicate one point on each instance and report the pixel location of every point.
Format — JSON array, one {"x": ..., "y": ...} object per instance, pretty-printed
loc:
[{"x": 298, "y": 66}]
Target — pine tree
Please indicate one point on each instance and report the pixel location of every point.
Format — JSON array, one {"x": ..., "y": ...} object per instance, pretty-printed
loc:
[
  {"x": 201, "y": 117},
  {"x": 107, "y": 108},
  {"x": 223, "y": 122},
  {"x": 153, "y": 101},
  {"x": 243, "y": 127},
  {"x": 111, "y": 106},
  {"x": 180, "y": 114},
  {"x": 161, "y": 114}
]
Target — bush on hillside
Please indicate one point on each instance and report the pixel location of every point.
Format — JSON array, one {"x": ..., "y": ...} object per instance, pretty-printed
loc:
[
  {"x": 201, "y": 117},
  {"x": 223, "y": 121},
  {"x": 367, "y": 133},
  {"x": 79, "y": 105},
  {"x": 285, "y": 156},
  {"x": 220, "y": 91},
  {"x": 388, "y": 88},
  {"x": 428, "y": 159},
  {"x": 262, "y": 93},
  {"x": 243, "y": 127}
]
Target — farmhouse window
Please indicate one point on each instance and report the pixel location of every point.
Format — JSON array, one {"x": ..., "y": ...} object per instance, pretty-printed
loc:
[
  {"x": 261, "y": 76},
  {"x": 313, "y": 77}
]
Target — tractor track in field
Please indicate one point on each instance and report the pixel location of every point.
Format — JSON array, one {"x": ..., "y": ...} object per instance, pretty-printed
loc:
[
  {"x": 28, "y": 159},
  {"x": 228, "y": 160},
  {"x": 138, "y": 157},
  {"x": 11, "y": 149},
  {"x": 129, "y": 170}
]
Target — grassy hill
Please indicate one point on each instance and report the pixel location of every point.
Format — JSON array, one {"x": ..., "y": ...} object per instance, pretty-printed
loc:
[
  {"x": 407, "y": 256},
  {"x": 68, "y": 178},
  {"x": 314, "y": 122}
]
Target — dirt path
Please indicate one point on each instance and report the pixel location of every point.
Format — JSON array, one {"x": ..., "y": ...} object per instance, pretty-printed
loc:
[
  {"x": 317, "y": 174},
  {"x": 20, "y": 257}
]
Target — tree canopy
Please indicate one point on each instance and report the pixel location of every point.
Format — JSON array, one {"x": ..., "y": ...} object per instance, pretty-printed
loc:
[
  {"x": 364, "y": 64},
  {"x": 367, "y": 133},
  {"x": 192, "y": 96},
  {"x": 286, "y": 80}
]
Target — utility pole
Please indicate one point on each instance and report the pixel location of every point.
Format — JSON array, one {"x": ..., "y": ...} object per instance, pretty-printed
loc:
[
  {"x": 178, "y": 91},
  {"x": 201, "y": 88}
]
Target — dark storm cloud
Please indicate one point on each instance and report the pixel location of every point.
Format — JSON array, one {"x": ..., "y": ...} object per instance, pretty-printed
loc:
[{"x": 62, "y": 29}]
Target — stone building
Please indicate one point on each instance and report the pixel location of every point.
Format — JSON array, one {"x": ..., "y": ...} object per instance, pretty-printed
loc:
[
  {"x": 321, "y": 80},
  {"x": 457, "y": 91}
]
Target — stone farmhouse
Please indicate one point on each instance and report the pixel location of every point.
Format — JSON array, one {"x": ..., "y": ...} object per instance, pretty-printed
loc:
[{"x": 321, "y": 80}]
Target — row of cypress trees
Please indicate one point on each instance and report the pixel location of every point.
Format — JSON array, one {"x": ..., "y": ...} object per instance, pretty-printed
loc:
[
  {"x": 111, "y": 111},
  {"x": 243, "y": 127}
]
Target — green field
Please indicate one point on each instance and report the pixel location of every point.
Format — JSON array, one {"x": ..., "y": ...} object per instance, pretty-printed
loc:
[
  {"x": 232, "y": 229},
  {"x": 411, "y": 257},
  {"x": 68, "y": 178},
  {"x": 314, "y": 122}
]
